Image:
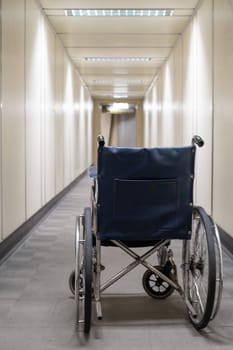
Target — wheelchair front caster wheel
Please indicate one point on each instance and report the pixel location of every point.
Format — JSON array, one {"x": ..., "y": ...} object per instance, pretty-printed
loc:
[{"x": 155, "y": 286}]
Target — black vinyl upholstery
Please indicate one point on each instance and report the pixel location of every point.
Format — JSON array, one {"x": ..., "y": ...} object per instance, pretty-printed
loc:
[{"x": 145, "y": 194}]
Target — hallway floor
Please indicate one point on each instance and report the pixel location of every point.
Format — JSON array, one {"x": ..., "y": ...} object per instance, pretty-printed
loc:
[{"x": 37, "y": 310}]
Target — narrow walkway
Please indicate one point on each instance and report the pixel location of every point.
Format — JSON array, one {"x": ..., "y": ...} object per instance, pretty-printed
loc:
[{"x": 37, "y": 310}]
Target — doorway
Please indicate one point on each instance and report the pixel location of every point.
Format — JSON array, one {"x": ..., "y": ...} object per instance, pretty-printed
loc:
[{"x": 118, "y": 124}]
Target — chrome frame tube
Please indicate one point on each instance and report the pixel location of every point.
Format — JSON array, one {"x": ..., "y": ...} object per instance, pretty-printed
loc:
[
  {"x": 139, "y": 260},
  {"x": 98, "y": 280},
  {"x": 136, "y": 256},
  {"x": 186, "y": 269},
  {"x": 78, "y": 241},
  {"x": 118, "y": 275},
  {"x": 186, "y": 272},
  {"x": 142, "y": 260}
]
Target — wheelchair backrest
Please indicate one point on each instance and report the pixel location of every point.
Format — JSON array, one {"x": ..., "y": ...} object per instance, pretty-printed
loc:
[{"x": 145, "y": 193}]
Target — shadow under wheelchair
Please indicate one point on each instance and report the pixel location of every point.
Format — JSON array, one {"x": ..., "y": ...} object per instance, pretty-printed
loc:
[{"x": 139, "y": 309}]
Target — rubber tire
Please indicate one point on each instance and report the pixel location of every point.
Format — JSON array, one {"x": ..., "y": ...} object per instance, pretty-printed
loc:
[
  {"x": 204, "y": 320},
  {"x": 87, "y": 270},
  {"x": 72, "y": 282}
]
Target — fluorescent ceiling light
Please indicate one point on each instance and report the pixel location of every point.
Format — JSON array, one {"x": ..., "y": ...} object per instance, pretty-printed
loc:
[
  {"x": 119, "y": 12},
  {"x": 118, "y": 108},
  {"x": 120, "y": 96},
  {"x": 117, "y": 59},
  {"x": 118, "y": 82},
  {"x": 120, "y": 105}
]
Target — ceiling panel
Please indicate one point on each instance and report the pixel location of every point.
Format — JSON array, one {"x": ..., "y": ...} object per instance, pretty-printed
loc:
[
  {"x": 163, "y": 25},
  {"x": 115, "y": 52},
  {"x": 117, "y": 70},
  {"x": 119, "y": 40},
  {"x": 152, "y": 37},
  {"x": 61, "y": 4}
]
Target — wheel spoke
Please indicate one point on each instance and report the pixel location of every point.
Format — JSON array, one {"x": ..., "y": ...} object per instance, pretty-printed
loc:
[{"x": 198, "y": 296}]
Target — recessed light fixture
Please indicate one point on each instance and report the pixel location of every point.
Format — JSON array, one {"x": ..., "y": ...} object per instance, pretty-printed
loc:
[
  {"x": 120, "y": 96},
  {"x": 118, "y": 108},
  {"x": 117, "y": 82},
  {"x": 117, "y": 59},
  {"x": 119, "y": 12}
]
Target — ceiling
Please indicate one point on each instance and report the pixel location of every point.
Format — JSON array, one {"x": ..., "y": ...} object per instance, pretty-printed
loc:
[{"x": 118, "y": 37}]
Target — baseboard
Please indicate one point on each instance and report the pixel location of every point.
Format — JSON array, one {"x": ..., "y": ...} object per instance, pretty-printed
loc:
[{"x": 12, "y": 242}]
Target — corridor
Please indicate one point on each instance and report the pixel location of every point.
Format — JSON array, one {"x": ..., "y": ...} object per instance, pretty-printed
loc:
[
  {"x": 37, "y": 309},
  {"x": 146, "y": 74}
]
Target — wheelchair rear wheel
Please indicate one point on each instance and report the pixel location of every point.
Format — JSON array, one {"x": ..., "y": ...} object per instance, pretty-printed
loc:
[
  {"x": 201, "y": 272},
  {"x": 83, "y": 273},
  {"x": 219, "y": 270}
]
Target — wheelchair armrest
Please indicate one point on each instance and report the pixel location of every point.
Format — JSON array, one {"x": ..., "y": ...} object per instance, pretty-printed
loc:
[{"x": 92, "y": 171}]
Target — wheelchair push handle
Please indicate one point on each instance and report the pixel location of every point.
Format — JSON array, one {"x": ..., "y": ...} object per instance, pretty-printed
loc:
[
  {"x": 195, "y": 140},
  {"x": 101, "y": 141},
  {"x": 198, "y": 141}
]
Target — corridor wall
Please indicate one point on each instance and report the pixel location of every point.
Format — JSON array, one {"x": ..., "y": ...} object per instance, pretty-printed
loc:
[
  {"x": 223, "y": 114},
  {"x": 179, "y": 102},
  {"x": 46, "y": 115}
]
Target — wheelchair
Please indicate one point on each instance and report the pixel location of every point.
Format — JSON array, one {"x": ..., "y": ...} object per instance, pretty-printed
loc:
[{"x": 143, "y": 197}]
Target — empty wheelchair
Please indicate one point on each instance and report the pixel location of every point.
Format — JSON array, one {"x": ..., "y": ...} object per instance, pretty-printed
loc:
[{"x": 143, "y": 197}]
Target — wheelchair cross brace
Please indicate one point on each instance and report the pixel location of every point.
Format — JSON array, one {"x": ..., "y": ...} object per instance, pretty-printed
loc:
[{"x": 98, "y": 288}]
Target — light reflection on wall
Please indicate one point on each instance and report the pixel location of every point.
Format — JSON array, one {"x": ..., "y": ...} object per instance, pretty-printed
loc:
[{"x": 181, "y": 98}]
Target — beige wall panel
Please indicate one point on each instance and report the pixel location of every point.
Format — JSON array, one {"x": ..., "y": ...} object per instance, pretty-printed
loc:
[
  {"x": 77, "y": 150},
  {"x": 178, "y": 93},
  {"x": 203, "y": 123},
  {"x": 223, "y": 120},
  {"x": 33, "y": 75},
  {"x": 72, "y": 127},
  {"x": 82, "y": 130},
  {"x": 72, "y": 132},
  {"x": 68, "y": 119},
  {"x": 49, "y": 113},
  {"x": 168, "y": 117},
  {"x": 189, "y": 102},
  {"x": 154, "y": 117},
  {"x": 105, "y": 126},
  {"x": 90, "y": 129},
  {"x": 88, "y": 121},
  {"x": 13, "y": 122},
  {"x": 1, "y": 228},
  {"x": 42, "y": 105},
  {"x": 146, "y": 116},
  {"x": 86, "y": 130},
  {"x": 59, "y": 116},
  {"x": 182, "y": 99},
  {"x": 159, "y": 84}
]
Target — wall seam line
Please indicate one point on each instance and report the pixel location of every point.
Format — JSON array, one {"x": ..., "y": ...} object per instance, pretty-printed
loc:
[
  {"x": 213, "y": 92},
  {"x": 1, "y": 145},
  {"x": 25, "y": 110}
]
